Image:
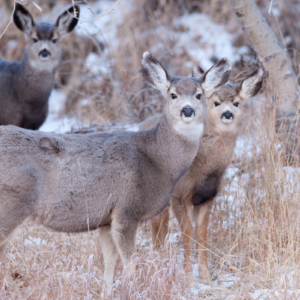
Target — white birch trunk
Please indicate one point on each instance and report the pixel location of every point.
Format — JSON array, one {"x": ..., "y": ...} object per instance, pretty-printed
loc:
[{"x": 275, "y": 60}]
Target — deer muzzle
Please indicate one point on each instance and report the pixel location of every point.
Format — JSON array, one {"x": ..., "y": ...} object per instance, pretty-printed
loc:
[
  {"x": 44, "y": 54},
  {"x": 187, "y": 112}
]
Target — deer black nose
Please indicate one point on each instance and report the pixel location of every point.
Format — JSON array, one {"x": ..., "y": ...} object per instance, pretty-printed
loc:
[
  {"x": 44, "y": 53},
  {"x": 188, "y": 111},
  {"x": 227, "y": 115}
]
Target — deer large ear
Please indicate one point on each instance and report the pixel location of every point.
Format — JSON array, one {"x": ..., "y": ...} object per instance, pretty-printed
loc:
[
  {"x": 23, "y": 19},
  {"x": 66, "y": 21},
  {"x": 251, "y": 85},
  {"x": 154, "y": 73},
  {"x": 216, "y": 76},
  {"x": 197, "y": 72}
]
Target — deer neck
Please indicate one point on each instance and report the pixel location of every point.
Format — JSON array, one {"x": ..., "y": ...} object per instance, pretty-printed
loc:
[
  {"x": 27, "y": 68},
  {"x": 36, "y": 85},
  {"x": 215, "y": 141},
  {"x": 174, "y": 151}
]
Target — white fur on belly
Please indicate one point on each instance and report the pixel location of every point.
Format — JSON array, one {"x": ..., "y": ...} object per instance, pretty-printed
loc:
[{"x": 190, "y": 131}]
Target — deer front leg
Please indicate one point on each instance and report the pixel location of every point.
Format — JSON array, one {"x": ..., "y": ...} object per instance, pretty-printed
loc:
[
  {"x": 110, "y": 256},
  {"x": 124, "y": 236},
  {"x": 2, "y": 251},
  {"x": 201, "y": 218},
  {"x": 2, "y": 259},
  {"x": 183, "y": 212},
  {"x": 160, "y": 228}
]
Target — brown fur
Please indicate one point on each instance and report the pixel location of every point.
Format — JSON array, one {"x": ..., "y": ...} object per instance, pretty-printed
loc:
[{"x": 194, "y": 193}]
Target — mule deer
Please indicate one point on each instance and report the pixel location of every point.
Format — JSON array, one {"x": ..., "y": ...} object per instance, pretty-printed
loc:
[
  {"x": 193, "y": 195},
  {"x": 26, "y": 85},
  {"x": 112, "y": 180}
]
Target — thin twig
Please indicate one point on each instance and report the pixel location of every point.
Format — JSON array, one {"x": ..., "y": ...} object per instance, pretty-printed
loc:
[
  {"x": 11, "y": 17},
  {"x": 38, "y": 7},
  {"x": 97, "y": 17},
  {"x": 270, "y": 8}
]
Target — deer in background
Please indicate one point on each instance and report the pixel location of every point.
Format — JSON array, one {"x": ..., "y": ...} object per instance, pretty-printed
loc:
[
  {"x": 26, "y": 85},
  {"x": 193, "y": 195},
  {"x": 108, "y": 180}
]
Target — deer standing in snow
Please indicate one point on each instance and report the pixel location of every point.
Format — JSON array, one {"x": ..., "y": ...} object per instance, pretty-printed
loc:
[
  {"x": 109, "y": 181},
  {"x": 26, "y": 85},
  {"x": 193, "y": 195}
]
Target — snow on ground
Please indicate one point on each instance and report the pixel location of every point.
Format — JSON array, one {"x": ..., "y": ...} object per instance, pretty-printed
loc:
[
  {"x": 55, "y": 123},
  {"x": 205, "y": 40},
  {"x": 265, "y": 294},
  {"x": 103, "y": 30},
  {"x": 29, "y": 241},
  {"x": 201, "y": 38}
]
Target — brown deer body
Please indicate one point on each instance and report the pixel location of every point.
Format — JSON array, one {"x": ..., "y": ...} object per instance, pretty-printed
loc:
[
  {"x": 111, "y": 181},
  {"x": 26, "y": 85},
  {"x": 193, "y": 195}
]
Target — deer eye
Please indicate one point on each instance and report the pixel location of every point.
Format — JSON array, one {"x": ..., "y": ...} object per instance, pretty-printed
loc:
[
  {"x": 198, "y": 96},
  {"x": 35, "y": 40},
  {"x": 54, "y": 41},
  {"x": 173, "y": 96},
  {"x": 217, "y": 103},
  {"x": 236, "y": 104}
]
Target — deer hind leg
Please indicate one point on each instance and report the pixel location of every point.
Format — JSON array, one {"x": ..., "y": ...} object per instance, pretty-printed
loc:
[
  {"x": 160, "y": 228},
  {"x": 110, "y": 255},
  {"x": 183, "y": 211},
  {"x": 201, "y": 218}
]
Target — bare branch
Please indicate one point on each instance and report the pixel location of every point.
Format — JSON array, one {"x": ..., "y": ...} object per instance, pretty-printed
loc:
[
  {"x": 97, "y": 17},
  {"x": 38, "y": 7},
  {"x": 11, "y": 17},
  {"x": 270, "y": 8}
]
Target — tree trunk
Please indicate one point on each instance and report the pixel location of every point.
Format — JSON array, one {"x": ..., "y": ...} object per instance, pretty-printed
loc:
[{"x": 277, "y": 66}]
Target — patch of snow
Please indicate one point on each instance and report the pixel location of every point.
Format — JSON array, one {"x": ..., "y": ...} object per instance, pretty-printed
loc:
[
  {"x": 174, "y": 237},
  {"x": 96, "y": 64},
  {"x": 231, "y": 172},
  {"x": 205, "y": 40},
  {"x": 243, "y": 50},
  {"x": 32, "y": 241},
  {"x": 245, "y": 147},
  {"x": 276, "y": 12},
  {"x": 56, "y": 101},
  {"x": 265, "y": 294},
  {"x": 200, "y": 288},
  {"x": 59, "y": 125},
  {"x": 105, "y": 28},
  {"x": 84, "y": 102},
  {"x": 226, "y": 281},
  {"x": 54, "y": 123},
  {"x": 127, "y": 126},
  {"x": 195, "y": 270}
]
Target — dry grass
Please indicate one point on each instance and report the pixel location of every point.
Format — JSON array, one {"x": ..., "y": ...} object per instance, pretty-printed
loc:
[{"x": 254, "y": 237}]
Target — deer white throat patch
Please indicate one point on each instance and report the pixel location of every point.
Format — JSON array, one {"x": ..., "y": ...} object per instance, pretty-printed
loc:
[{"x": 190, "y": 131}]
